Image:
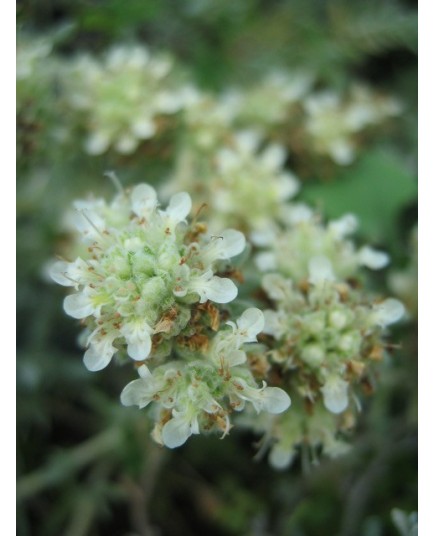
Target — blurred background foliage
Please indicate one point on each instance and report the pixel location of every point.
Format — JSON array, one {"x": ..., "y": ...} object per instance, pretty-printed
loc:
[{"x": 86, "y": 464}]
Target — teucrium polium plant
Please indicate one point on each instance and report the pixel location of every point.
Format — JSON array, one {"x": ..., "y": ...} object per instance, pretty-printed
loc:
[
  {"x": 147, "y": 288},
  {"x": 154, "y": 285}
]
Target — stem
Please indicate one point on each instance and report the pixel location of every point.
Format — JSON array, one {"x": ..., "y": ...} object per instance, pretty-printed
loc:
[
  {"x": 61, "y": 466},
  {"x": 141, "y": 493}
]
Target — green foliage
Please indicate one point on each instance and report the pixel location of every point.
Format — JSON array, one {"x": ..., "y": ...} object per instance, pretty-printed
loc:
[{"x": 378, "y": 188}]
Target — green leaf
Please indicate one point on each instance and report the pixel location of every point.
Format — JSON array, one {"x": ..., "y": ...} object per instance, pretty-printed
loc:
[{"x": 376, "y": 189}]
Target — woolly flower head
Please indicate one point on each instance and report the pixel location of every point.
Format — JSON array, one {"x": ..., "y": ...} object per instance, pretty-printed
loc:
[
  {"x": 270, "y": 101},
  {"x": 324, "y": 341},
  {"x": 123, "y": 96},
  {"x": 244, "y": 183},
  {"x": 308, "y": 249},
  {"x": 333, "y": 121},
  {"x": 142, "y": 270},
  {"x": 196, "y": 395}
]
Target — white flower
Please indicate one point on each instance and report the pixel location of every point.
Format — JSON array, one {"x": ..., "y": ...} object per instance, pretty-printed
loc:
[
  {"x": 137, "y": 334},
  {"x": 99, "y": 353},
  {"x": 248, "y": 326},
  {"x": 79, "y": 305},
  {"x": 138, "y": 393},
  {"x": 180, "y": 427},
  {"x": 335, "y": 393},
  {"x": 178, "y": 209},
  {"x": 212, "y": 287},
  {"x": 228, "y": 244},
  {"x": 143, "y": 200},
  {"x": 270, "y": 399},
  {"x": 58, "y": 272}
]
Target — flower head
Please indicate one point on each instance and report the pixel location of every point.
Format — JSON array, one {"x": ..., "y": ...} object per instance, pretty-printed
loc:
[{"x": 141, "y": 265}]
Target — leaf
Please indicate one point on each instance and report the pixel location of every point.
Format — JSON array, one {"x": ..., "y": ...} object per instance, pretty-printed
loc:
[{"x": 375, "y": 189}]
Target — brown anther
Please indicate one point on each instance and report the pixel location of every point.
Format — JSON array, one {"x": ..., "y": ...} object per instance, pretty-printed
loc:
[
  {"x": 356, "y": 367},
  {"x": 376, "y": 354}
]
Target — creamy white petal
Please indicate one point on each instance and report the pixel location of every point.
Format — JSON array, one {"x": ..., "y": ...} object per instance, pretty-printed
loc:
[
  {"x": 344, "y": 226},
  {"x": 144, "y": 372},
  {"x": 140, "y": 350},
  {"x": 219, "y": 290},
  {"x": 287, "y": 186},
  {"x": 97, "y": 143},
  {"x": 214, "y": 288},
  {"x": 250, "y": 324},
  {"x": 143, "y": 128},
  {"x": 335, "y": 394},
  {"x": 388, "y": 312},
  {"x": 138, "y": 337},
  {"x": 223, "y": 247},
  {"x": 236, "y": 357},
  {"x": 99, "y": 355},
  {"x": 372, "y": 258},
  {"x": 78, "y": 305},
  {"x": 176, "y": 432},
  {"x": 273, "y": 156},
  {"x": 143, "y": 199},
  {"x": 89, "y": 223},
  {"x": 280, "y": 457},
  {"x": 136, "y": 393},
  {"x": 275, "y": 400},
  {"x": 58, "y": 272},
  {"x": 179, "y": 207}
]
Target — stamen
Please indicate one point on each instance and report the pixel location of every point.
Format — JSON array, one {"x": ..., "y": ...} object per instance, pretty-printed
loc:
[
  {"x": 83, "y": 213},
  {"x": 115, "y": 180}
]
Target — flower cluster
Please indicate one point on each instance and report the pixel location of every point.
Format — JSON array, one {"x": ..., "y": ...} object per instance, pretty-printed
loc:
[
  {"x": 143, "y": 264},
  {"x": 333, "y": 123},
  {"x": 123, "y": 97},
  {"x": 233, "y": 181},
  {"x": 307, "y": 248},
  {"x": 197, "y": 395},
  {"x": 326, "y": 336},
  {"x": 149, "y": 283},
  {"x": 144, "y": 289},
  {"x": 272, "y": 100},
  {"x": 325, "y": 332}
]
